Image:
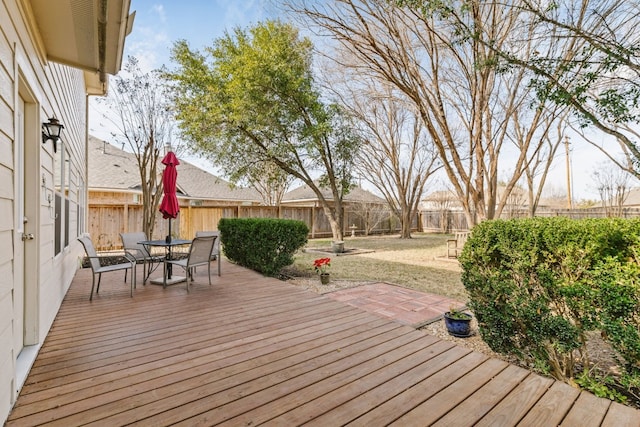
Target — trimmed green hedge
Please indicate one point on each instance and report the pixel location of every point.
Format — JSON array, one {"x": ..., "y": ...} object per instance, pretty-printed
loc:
[
  {"x": 262, "y": 244},
  {"x": 537, "y": 286}
]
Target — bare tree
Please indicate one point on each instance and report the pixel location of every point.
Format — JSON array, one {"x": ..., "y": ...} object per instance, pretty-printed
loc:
[
  {"x": 465, "y": 101},
  {"x": 613, "y": 187},
  {"x": 537, "y": 170},
  {"x": 143, "y": 119},
  {"x": 515, "y": 202},
  {"x": 596, "y": 75},
  {"x": 397, "y": 156},
  {"x": 371, "y": 214},
  {"x": 600, "y": 83},
  {"x": 629, "y": 160}
]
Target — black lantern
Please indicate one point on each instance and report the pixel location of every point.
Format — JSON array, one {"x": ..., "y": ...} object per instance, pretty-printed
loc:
[{"x": 51, "y": 131}]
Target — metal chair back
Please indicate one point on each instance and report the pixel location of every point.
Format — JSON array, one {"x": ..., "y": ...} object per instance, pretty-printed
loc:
[
  {"x": 97, "y": 268},
  {"x": 92, "y": 255},
  {"x": 130, "y": 243},
  {"x": 200, "y": 251},
  {"x": 215, "y": 251}
]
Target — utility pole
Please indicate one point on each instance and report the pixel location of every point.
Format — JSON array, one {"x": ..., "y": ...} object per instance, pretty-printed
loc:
[{"x": 566, "y": 145}]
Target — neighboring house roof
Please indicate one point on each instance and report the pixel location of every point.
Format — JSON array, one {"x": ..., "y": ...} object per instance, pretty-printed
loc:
[
  {"x": 356, "y": 195},
  {"x": 441, "y": 199},
  {"x": 200, "y": 184},
  {"x": 113, "y": 169},
  {"x": 633, "y": 199}
]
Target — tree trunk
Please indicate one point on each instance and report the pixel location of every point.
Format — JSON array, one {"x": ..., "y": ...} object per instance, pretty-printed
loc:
[
  {"x": 336, "y": 220},
  {"x": 405, "y": 226}
]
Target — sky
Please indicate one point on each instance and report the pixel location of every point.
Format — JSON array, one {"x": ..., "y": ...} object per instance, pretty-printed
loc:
[{"x": 158, "y": 24}]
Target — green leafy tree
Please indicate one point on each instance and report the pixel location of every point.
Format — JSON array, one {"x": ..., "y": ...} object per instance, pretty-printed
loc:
[
  {"x": 271, "y": 182},
  {"x": 250, "y": 99}
]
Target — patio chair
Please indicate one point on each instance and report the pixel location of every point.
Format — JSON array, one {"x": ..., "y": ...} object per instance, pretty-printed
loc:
[
  {"x": 140, "y": 253},
  {"x": 215, "y": 252},
  {"x": 199, "y": 254},
  {"x": 98, "y": 268}
]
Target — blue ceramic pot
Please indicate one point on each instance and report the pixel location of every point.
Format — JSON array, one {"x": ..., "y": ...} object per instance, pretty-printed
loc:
[{"x": 460, "y": 328}]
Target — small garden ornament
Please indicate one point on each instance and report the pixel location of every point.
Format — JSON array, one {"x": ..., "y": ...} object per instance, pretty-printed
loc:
[{"x": 321, "y": 266}]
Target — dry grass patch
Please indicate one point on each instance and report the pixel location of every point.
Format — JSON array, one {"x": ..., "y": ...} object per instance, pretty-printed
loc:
[{"x": 416, "y": 263}]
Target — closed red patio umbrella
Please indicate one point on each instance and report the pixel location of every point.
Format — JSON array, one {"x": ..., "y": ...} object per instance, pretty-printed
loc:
[{"x": 169, "y": 205}]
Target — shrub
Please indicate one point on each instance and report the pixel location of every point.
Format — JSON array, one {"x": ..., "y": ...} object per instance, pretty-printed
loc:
[
  {"x": 262, "y": 244},
  {"x": 538, "y": 285}
]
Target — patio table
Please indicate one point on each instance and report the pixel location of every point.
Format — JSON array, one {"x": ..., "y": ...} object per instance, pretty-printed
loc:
[{"x": 168, "y": 253}]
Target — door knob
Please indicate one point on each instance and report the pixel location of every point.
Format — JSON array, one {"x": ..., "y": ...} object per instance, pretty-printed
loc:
[{"x": 27, "y": 236}]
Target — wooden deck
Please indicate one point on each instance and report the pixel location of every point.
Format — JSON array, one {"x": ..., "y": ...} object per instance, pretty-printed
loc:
[{"x": 251, "y": 350}]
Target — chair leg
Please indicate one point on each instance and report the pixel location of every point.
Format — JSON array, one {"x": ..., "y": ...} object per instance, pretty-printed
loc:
[
  {"x": 93, "y": 283},
  {"x": 133, "y": 275},
  {"x": 98, "y": 288},
  {"x": 188, "y": 271},
  {"x": 209, "y": 272},
  {"x": 144, "y": 272}
]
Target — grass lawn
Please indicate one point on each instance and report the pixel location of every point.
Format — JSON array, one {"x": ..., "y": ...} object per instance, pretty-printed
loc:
[{"x": 418, "y": 263}]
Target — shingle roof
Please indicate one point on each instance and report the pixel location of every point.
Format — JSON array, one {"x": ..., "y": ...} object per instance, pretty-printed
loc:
[
  {"x": 357, "y": 194},
  {"x": 200, "y": 184},
  {"x": 111, "y": 168}
]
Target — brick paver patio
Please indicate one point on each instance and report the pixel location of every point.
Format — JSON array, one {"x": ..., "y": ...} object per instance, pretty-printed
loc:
[{"x": 403, "y": 305}]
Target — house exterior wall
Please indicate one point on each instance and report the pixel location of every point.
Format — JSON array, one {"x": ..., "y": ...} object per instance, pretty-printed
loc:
[{"x": 33, "y": 278}]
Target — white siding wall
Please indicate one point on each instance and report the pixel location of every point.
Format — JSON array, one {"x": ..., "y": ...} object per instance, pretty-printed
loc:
[
  {"x": 57, "y": 91},
  {"x": 57, "y": 271},
  {"x": 7, "y": 102}
]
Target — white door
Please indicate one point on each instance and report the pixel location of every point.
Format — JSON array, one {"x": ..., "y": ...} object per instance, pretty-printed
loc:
[{"x": 19, "y": 243}]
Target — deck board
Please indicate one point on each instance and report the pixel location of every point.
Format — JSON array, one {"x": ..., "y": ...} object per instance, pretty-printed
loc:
[
  {"x": 475, "y": 406},
  {"x": 518, "y": 403},
  {"x": 251, "y": 350}
]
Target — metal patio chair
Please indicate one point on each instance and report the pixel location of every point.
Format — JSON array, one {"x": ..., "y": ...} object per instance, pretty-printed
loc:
[
  {"x": 131, "y": 245},
  {"x": 215, "y": 252},
  {"x": 98, "y": 268},
  {"x": 199, "y": 254}
]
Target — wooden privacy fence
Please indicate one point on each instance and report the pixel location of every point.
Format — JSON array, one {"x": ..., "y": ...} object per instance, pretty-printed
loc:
[
  {"x": 447, "y": 221},
  {"x": 106, "y": 222}
]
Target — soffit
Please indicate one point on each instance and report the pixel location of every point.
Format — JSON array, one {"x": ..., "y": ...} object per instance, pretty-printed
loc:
[{"x": 85, "y": 34}]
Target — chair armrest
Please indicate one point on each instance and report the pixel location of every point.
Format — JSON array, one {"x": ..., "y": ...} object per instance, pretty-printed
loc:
[
  {"x": 129, "y": 257},
  {"x": 125, "y": 256},
  {"x": 135, "y": 254}
]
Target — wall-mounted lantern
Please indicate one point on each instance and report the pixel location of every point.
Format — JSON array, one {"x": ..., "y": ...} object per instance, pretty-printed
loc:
[{"x": 51, "y": 131}]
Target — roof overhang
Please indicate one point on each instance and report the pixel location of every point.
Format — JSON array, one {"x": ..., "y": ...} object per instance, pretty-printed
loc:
[{"x": 84, "y": 34}]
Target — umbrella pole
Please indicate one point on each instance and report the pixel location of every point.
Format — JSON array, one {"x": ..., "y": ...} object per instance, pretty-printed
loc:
[{"x": 168, "y": 240}]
